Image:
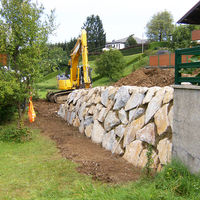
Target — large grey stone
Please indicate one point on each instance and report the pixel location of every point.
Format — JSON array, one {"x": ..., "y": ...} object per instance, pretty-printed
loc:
[
  {"x": 72, "y": 96},
  {"x": 121, "y": 98},
  {"x": 108, "y": 140},
  {"x": 164, "y": 151},
  {"x": 72, "y": 117},
  {"x": 147, "y": 134},
  {"x": 123, "y": 116},
  {"x": 117, "y": 149},
  {"x": 81, "y": 127},
  {"x": 161, "y": 120},
  {"x": 81, "y": 110},
  {"x": 61, "y": 111},
  {"x": 131, "y": 129},
  {"x": 135, "y": 113},
  {"x": 169, "y": 94},
  {"x": 102, "y": 114},
  {"x": 104, "y": 97},
  {"x": 111, "y": 120},
  {"x": 154, "y": 105},
  {"x": 97, "y": 132},
  {"x": 119, "y": 130},
  {"x": 133, "y": 151},
  {"x": 134, "y": 101},
  {"x": 151, "y": 92},
  {"x": 88, "y": 120},
  {"x": 88, "y": 130}
]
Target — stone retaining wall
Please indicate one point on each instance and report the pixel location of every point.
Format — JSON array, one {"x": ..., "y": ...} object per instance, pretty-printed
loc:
[{"x": 125, "y": 120}]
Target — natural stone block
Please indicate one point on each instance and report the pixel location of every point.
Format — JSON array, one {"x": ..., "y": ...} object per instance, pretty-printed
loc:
[
  {"x": 154, "y": 105},
  {"x": 133, "y": 151},
  {"x": 72, "y": 116},
  {"x": 123, "y": 116},
  {"x": 88, "y": 120},
  {"x": 161, "y": 120},
  {"x": 119, "y": 130},
  {"x": 97, "y": 132},
  {"x": 111, "y": 120},
  {"x": 164, "y": 151},
  {"x": 108, "y": 140},
  {"x": 91, "y": 110},
  {"x": 131, "y": 129},
  {"x": 147, "y": 134},
  {"x": 151, "y": 92},
  {"x": 121, "y": 98},
  {"x": 88, "y": 130},
  {"x": 135, "y": 113},
  {"x": 134, "y": 101},
  {"x": 61, "y": 111},
  {"x": 169, "y": 94},
  {"x": 104, "y": 97},
  {"x": 117, "y": 149},
  {"x": 81, "y": 127},
  {"x": 76, "y": 122},
  {"x": 102, "y": 114}
]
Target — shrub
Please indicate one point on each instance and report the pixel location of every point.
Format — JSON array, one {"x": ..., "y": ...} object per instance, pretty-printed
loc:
[
  {"x": 15, "y": 134},
  {"x": 110, "y": 64}
]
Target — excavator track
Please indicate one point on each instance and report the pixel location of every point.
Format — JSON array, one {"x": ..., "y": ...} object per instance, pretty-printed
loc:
[{"x": 58, "y": 97}]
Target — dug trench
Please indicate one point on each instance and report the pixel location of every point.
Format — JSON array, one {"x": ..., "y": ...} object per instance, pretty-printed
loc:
[{"x": 91, "y": 158}]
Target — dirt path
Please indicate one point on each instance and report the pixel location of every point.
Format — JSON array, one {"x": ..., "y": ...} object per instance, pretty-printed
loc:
[{"x": 92, "y": 158}]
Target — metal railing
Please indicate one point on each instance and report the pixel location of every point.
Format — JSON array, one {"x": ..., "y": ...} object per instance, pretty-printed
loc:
[{"x": 179, "y": 65}]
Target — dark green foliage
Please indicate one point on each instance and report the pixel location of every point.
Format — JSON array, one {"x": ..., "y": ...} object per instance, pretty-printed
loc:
[
  {"x": 181, "y": 37},
  {"x": 14, "y": 134},
  {"x": 158, "y": 45},
  {"x": 96, "y": 37},
  {"x": 130, "y": 41},
  {"x": 7, "y": 113},
  {"x": 110, "y": 64},
  {"x": 160, "y": 27},
  {"x": 24, "y": 31}
]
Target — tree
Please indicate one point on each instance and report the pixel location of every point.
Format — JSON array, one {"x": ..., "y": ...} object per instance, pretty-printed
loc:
[
  {"x": 110, "y": 64},
  {"x": 181, "y": 37},
  {"x": 160, "y": 27},
  {"x": 130, "y": 41},
  {"x": 95, "y": 33},
  {"x": 24, "y": 31}
]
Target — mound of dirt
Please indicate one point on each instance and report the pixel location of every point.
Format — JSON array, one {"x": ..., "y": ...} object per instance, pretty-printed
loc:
[
  {"x": 92, "y": 159},
  {"x": 148, "y": 78}
]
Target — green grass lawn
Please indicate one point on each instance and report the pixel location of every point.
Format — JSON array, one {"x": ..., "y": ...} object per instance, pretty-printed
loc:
[{"x": 35, "y": 171}]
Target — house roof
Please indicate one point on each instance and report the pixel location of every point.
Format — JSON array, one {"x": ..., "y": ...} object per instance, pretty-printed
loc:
[
  {"x": 192, "y": 16},
  {"x": 123, "y": 40}
]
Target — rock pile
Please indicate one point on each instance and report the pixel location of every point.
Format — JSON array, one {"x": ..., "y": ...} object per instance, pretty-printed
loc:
[{"x": 125, "y": 120}]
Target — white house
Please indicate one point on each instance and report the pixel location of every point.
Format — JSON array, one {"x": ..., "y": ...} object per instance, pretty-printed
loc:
[{"x": 120, "y": 44}]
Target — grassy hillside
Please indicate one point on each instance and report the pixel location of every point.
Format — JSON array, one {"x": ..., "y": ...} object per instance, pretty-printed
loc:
[{"x": 133, "y": 62}]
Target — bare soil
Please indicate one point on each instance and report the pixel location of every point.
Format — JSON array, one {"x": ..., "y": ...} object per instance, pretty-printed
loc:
[
  {"x": 92, "y": 158},
  {"x": 148, "y": 78}
]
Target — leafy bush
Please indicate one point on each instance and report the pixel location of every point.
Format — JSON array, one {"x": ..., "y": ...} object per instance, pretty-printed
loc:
[
  {"x": 14, "y": 134},
  {"x": 110, "y": 64}
]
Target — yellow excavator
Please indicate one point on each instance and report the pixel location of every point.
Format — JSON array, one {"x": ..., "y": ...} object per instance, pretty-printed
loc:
[{"x": 80, "y": 76}]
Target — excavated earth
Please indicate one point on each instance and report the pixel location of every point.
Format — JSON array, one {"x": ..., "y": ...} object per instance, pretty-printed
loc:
[
  {"x": 148, "y": 78},
  {"x": 92, "y": 159}
]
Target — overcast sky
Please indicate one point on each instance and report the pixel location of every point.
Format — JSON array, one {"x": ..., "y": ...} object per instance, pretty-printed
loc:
[{"x": 120, "y": 18}]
